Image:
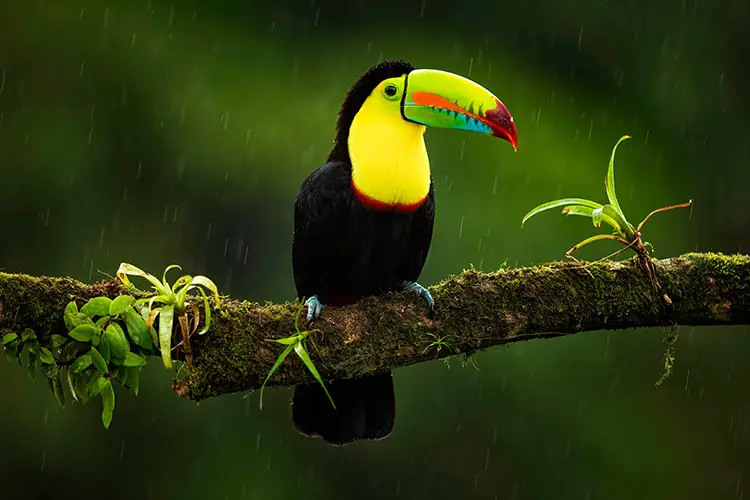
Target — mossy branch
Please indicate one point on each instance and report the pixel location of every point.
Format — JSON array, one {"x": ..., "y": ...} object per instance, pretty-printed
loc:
[{"x": 474, "y": 310}]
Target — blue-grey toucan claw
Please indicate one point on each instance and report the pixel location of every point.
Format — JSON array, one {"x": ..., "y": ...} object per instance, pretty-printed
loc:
[
  {"x": 422, "y": 292},
  {"x": 313, "y": 308}
]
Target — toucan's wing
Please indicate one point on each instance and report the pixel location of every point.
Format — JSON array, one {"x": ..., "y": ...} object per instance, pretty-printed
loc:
[{"x": 321, "y": 214}]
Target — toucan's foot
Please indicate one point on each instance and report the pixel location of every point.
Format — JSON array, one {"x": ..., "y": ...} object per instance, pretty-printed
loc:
[
  {"x": 313, "y": 308},
  {"x": 422, "y": 292}
]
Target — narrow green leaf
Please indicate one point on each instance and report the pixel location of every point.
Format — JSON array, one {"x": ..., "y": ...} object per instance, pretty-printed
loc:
[
  {"x": 132, "y": 359},
  {"x": 129, "y": 269},
  {"x": 206, "y": 283},
  {"x": 164, "y": 276},
  {"x": 97, "y": 385},
  {"x": 57, "y": 389},
  {"x": 9, "y": 337},
  {"x": 294, "y": 339},
  {"x": 137, "y": 329},
  {"x": 596, "y": 216},
  {"x": 592, "y": 239},
  {"x": 98, "y": 360},
  {"x": 81, "y": 363},
  {"x": 108, "y": 404},
  {"x": 559, "y": 203},
  {"x": 610, "y": 180},
  {"x": 45, "y": 356},
  {"x": 98, "y": 306},
  {"x": 32, "y": 366},
  {"x": 273, "y": 369},
  {"x": 120, "y": 304},
  {"x": 206, "y": 314},
  {"x": 302, "y": 353},
  {"x": 118, "y": 343},
  {"x": 166, "y": 318},
  {"x": 83, "y": 333},
  {"x": 587, "y": 212},
  {"x": 57, "y": 341}
]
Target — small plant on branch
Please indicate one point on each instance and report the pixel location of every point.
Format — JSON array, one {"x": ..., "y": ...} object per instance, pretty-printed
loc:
[
  {"x": 296, "y": 343},
  {"x": 612, "y": 215},
  {"x": 172, "y": 301}
]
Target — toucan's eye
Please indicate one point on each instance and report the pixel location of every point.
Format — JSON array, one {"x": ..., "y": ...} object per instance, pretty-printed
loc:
[{"x": 390, "y": 90}]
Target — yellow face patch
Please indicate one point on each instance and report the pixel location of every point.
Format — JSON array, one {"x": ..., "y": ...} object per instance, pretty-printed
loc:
[{"x": 388, "y": 154}]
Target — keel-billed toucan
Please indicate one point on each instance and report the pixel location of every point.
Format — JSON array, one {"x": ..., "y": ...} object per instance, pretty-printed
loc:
[{"x": 363, "y": 221}]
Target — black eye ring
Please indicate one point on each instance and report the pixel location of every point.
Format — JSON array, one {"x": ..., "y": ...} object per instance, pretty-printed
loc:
[{"x": 390, "y": 90}]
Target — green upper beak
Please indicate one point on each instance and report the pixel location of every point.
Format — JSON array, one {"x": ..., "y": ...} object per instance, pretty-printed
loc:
[{"x": 440, "y": 99}]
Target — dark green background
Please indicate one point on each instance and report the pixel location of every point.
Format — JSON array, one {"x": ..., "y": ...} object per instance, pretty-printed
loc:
[{"x": 156, "y": 132}]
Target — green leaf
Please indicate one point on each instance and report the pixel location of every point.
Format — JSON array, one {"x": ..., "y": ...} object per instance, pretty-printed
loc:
[
  {"x": 273, "y": 369},
  {"x": 592, "y": 239},
  {"x": 132, "y": 359},
  {"x": 98, "y": 360},
  {"x": 72, "y": 350},
  {"x": 207, "y": 313},
  {"x": 588, "y": 212},
  {"x": 71, "y": 312},
  {"x": 97, "y": 385},
  {"x": 45, "y": 356},
  {"x": 28, "y": 334},
  {"x": 9, "y": 337},
  {"x": 77, "y": 319},
  {"x": 98, "y": 306},
  {"x": 610, "y": 180},
  {"x": 166, "y": 318},
  {"x": 57, "y": 341},
  {"x": 164, "y": 276},
  {"x": 287, "y": 340},
  {"x": 108, "y": 404},
  {"x": 131, "y": 378},
  {"x": 596, "y": 216},
  {"x": 559, "y": 203},
  {"x": 57, "y": 389},
  {"x": 302, "y": 353},
  {"x": 81, "y": 363},
  {"x": 32, "y": 366},
  {"x": 83, "y": 333},
  {"x": 129, "y": 269},
  {"x": 137, "y": 329},
  {"x": 120, "y": 305},
  {"x": 118, "y": 344},
  {"x": 206, "y": 283},
  {"x": 104, "y": 349}
]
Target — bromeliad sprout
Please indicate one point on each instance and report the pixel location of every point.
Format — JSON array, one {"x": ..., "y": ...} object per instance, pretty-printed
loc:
[{"x": 173, "y": 301}]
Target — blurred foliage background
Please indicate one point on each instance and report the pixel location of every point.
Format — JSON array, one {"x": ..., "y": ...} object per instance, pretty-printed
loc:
[{"x": 154, "y": 131}]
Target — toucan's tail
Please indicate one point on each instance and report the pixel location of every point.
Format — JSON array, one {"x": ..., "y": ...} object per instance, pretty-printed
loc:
[{"x": 365, "y": 409}]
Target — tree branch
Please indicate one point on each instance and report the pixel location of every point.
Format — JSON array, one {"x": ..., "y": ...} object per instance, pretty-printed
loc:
[{"x": 474, "y": 311}]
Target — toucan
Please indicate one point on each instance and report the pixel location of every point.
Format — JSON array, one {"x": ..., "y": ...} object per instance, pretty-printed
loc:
[{"x": 363, "y": 221}]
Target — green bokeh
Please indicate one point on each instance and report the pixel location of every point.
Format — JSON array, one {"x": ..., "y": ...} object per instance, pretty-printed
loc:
[{"x": 156, "y": 132}]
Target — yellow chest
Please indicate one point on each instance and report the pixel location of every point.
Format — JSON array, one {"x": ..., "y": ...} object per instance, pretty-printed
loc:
[{"x": 390, "y": 165}]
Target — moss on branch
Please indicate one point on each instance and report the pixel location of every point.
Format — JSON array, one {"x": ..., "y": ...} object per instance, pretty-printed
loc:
[{"x": 476, "y": 310}]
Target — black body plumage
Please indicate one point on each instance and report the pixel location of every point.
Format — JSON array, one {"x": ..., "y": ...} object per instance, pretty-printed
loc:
[{"x": 344, "y": 251}]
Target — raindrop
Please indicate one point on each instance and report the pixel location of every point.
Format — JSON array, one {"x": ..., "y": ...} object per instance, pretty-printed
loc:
[
  {"x": 208, "y": 231},
  {"x": 487, "y": 459},
  {"x": 494, "y": 186},
  {"x": 687, "y": 380},
  {"x": 317, "y": 18},
  {"x": 44, "y": 460},
  {"x": 132, "y": 40},
  {"x": 170, "y": 22},
  {"x": 2, "y": 82},
  {"x": 80, "y": 72},
  {"x": 538, "y": 114},
  {"x": 461, "y": 228},
  {"x": 471, "y": 65},
  {"x": 101, "y": 236},
  {"x": 580, "y": 37},
  {"x": 226, "y": 244},
  {"x": 105, "y": 23},
  {"x": 257, "y": 443},
  {"x": 463, "y": 146},
  {"x": 122, "y": 450},
  {"x": 422, "y": 8}
]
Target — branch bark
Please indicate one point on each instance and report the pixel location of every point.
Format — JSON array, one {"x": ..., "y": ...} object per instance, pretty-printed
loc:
[{"x": 474, "y": 311}]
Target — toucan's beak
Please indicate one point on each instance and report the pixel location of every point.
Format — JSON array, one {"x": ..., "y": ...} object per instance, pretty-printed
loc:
[{"x": 440, "y": 99}]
